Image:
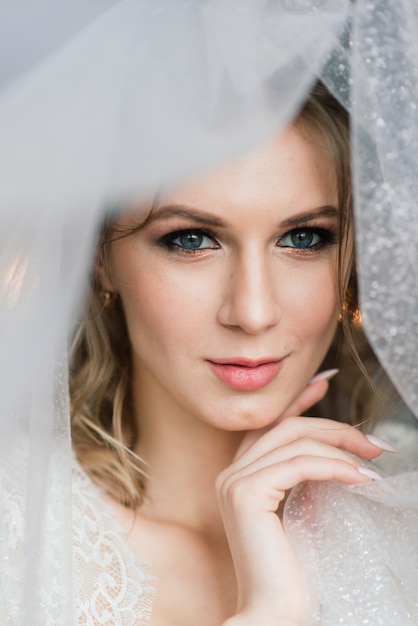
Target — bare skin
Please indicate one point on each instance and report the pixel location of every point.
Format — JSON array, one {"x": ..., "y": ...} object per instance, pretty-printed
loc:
[
  {"x": 211, "y": 555},
  {"x": 224, "y": 449}
]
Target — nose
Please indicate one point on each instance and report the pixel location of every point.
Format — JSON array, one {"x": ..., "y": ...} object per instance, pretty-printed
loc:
[{"x": 250, "y": 299}]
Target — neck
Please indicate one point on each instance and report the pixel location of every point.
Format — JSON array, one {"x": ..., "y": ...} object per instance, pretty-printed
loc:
[{"x": 184, "y": 457}]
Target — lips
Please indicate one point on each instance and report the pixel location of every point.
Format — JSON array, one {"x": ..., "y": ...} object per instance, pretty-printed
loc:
[{"x": 247, "y": 374}]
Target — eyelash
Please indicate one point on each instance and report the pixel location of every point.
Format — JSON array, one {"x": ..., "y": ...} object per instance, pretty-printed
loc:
[
  {"x": 327, "y": 237},
  {"x": 168, "y": 241}
]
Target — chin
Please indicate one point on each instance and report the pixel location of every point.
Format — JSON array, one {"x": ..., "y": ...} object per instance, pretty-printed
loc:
[{"x": 248, "y": 418}]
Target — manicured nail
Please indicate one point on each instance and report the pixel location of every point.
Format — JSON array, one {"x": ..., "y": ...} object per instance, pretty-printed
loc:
[
  {"x": 369, "y": 472},
  {"x": 381, "y": 443},
  {"x": 325, "y": 375}
]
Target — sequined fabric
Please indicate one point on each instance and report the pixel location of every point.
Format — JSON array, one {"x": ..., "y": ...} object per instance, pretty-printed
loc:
[{"x": 358, "y": 550}]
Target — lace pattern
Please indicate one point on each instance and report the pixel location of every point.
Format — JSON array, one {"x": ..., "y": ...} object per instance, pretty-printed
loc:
[{"x": 112, "y": 587}]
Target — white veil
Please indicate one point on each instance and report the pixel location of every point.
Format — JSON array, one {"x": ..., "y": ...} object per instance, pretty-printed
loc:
[{"x": 100, "y": 100}]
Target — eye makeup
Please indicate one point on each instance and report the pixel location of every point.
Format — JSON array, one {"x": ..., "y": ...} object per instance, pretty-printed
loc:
[
  {"x": 189, "y": 241},
  {"x": 196, "y": 241},
  {"x": 299, "y": 235},
  {"x": 308, "y": 239}
]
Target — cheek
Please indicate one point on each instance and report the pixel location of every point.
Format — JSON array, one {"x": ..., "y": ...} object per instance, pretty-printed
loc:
[
  {"x": 164, "y": 310},
  {"x": 313, "y": 304}
]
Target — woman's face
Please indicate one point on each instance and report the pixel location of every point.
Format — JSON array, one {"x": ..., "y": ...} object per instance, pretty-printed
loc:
[{"x": 229, "y": 291}]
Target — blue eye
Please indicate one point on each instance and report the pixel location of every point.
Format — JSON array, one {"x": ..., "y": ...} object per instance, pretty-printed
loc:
[
  {"x": 192, "y": 240},
  {"x": 306, "y": 238},
  {"x": 189, "y": 241}
]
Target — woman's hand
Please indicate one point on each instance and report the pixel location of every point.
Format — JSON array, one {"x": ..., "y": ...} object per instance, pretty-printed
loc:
[{"x": 250, "y": 491}]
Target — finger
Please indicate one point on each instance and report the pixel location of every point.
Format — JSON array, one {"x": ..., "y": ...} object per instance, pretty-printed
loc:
[
  {"x": 263, "y": 490},
  {"x": 336, "y": 434},
  {"x": 300, "y": 447},
  {"x": 313, "y": 393}
]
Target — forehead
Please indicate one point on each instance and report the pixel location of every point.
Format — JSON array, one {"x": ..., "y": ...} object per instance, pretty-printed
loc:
[
  {"x": 296, "y": 169},
  {"x": 292, "y": 173}
]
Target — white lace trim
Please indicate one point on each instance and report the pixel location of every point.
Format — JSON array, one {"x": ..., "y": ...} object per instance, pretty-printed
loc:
[{"x": 112, "y": 587}]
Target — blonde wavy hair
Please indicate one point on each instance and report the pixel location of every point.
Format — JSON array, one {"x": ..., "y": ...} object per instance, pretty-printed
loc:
[{"x": 104, "y": 430}]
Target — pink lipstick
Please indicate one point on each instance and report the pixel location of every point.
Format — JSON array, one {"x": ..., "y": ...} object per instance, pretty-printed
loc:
[{"x": 246, "y": 374}]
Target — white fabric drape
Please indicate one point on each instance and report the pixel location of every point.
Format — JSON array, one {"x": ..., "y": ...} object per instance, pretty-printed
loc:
[{"x": 102, "y": 100}]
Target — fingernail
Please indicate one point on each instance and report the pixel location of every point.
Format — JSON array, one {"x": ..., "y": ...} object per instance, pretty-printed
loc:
[
  {"x": 381, "y": 443},
  {"x": 369, "y": 472},
  {"x": 325, "y": 375}
]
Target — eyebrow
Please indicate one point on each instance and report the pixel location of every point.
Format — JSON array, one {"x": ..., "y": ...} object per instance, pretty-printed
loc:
[
  {"x": 187, "y": 212},
  {"x": 201, "y": 217},
  {"x": 302, "y": 218}
]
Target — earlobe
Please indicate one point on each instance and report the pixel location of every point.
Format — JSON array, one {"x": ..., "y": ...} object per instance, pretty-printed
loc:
[
  {"x": 109, "y": 299},
  {"x": 103, "y": 282}
]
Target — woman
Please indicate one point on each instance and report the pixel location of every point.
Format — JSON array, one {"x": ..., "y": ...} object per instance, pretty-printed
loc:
[{"x": 211, "y": 310}]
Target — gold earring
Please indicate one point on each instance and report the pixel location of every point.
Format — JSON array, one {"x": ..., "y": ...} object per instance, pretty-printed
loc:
[{"x": 109, "y": 299}]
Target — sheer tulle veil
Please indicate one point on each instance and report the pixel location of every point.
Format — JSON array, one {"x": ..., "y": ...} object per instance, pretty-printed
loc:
[{"x": 102, "y": 100}]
